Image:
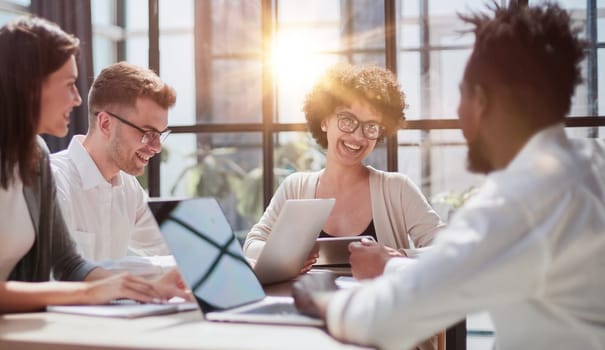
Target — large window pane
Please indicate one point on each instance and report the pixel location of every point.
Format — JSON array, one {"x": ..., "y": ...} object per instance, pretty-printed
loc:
[
  {"x": 104, "y": 52},
  {"x": 584, "y": 132},
  {"x": 137, "y": 50},
  {"x": 228, "y": 68},
  {"x": 367, "y": 24},
  {"x": 137, "y": 15},
  {"x": 102, "y": 12},
  {"x": 296, "y": 151},
  {"x": 432, "y": 93},
  {"x": 601, "y": 79},
  {"x": 176, "y": 67},
  {"x": 294, "y": 84},
  {"x": 222, "y": 165},
  {"x": 310, "y": 38},
  {"x": 235, "y": 92},
  {"x": 176, "y": 14},
  {"x": 5, "y": 17},
  {"x": 449, "y": 68},
  {"x": 137, "y": 27},
  {"x": 21, "y": 2},
  {"x": 436, "y": 162},
  {"x": 235, "y": 26},
  {"x": 11, "y": 9},
  {"x": 408, "y": 73},
  {"x": 105, "y": 34}
]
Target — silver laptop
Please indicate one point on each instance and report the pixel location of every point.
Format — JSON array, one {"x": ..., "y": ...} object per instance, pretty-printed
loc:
[
  {"x": 292, "y": 238},
  {"x": 212, "y": 263}
]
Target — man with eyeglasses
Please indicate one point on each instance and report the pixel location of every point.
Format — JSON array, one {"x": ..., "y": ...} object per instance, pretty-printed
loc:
[{"x": 103, "y": 203}]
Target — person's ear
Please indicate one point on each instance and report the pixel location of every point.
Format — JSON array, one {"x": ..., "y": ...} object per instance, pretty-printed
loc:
[
  {"x": 104, "y": 124},
  {"x": 481, "y": 100},
  {"x": 324, "y": 127}
]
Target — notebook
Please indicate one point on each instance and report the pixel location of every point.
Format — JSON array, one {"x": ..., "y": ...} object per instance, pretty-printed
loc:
[
  {"x": 292, "y": 238},
  {"x": 213, "y": 265},
  {"x": 120, "y": 309}
]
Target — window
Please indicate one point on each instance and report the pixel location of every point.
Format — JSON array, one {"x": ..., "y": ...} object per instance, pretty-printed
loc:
[{"x": 10, "y": 9}]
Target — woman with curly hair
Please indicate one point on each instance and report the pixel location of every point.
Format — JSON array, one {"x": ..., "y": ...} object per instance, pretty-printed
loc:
[{"x": 348, "y": 111}]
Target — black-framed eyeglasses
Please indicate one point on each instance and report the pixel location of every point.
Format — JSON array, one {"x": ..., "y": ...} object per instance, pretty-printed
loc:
[
  {"x": 349, "y": 123},
  {"x": 149, "y": 136}
]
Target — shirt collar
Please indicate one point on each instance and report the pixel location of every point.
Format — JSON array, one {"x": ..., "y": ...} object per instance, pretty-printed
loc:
[
  {"x": 87, "y": 169},
  {"x": 535, "y": 151}
]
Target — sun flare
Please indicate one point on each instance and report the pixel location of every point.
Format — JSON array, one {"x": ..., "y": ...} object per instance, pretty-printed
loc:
[{"x": 296, "y": 58}]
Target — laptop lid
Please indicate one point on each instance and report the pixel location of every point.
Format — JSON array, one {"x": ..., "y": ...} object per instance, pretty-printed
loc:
[
  {"x": 207, "y": 253},
  {"x": 213, "y": 265},
  {"x": 292, "y": 238}
]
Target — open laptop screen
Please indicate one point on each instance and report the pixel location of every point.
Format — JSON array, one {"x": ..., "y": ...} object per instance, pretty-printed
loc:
[{"x": 207, "y": 252}]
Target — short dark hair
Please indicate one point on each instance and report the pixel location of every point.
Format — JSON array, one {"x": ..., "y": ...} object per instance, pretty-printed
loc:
[
  {"x": 120, "y": 84},
  {"x": 32, "y": 49},
  {"x": 534, "y": 51},
  {"x": 343, "y": 84}
]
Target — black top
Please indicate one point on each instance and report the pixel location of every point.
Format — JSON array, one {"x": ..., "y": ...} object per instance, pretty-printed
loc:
[{"x": 369, "y": 231}]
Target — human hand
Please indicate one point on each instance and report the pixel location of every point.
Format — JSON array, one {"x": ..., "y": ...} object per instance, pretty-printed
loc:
[
  {"x": 369, "y": 258},
  {"x": 171, "y": 284},
  {"x": 312, "y": 292},
  {"x": 311, "y": 260},
  {"x": 120, "y": 286}
]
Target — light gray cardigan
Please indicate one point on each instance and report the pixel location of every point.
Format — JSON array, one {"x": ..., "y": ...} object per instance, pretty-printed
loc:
[
  {"x": 399, "y": 210},
  {"x": 53, "y": 250}
]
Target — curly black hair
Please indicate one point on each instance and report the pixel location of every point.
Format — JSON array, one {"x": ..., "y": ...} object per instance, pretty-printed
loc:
[
  {"x": 534, "y": 51},
  {"x": 343, "y": 84}
]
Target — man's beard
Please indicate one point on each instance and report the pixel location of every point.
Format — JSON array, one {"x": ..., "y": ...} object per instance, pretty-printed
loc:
[
  {"x": 119, "y": 155},
  {"x": 477, "y": 161}
]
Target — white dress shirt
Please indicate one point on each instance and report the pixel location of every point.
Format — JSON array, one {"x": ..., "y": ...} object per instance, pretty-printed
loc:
[
  {"x": 529, "y": 248},
  {"x": 107, "y": 220}
]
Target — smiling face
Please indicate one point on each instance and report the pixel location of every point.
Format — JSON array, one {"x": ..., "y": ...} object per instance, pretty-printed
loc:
[
  {"x": 59, "y": 96},
  {"x": 125, "y": 148},
  {"x": 349, "y": 149}
]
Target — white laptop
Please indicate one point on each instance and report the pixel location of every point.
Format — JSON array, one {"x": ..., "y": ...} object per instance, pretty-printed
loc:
[
  {"x": 212, "y": 263},
  {"x": 292, "y": 238}
]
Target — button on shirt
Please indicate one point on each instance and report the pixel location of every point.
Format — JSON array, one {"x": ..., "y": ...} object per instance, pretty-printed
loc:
[
  {"x": 529, "y": 248},
  {"x": 107, "y": 220}
]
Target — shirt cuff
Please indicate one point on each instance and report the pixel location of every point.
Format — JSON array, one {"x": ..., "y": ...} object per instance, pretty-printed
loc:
[
  {"x": 397, "y": 264},
  {"x": 335, "y": 320}
]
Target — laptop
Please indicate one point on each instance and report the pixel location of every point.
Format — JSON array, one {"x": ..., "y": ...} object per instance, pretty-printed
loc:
[
  {"x": 213, "y": 265},
  {"x": 292, "y": 238}
]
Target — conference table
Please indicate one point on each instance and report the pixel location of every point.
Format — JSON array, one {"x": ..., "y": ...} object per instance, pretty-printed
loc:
[{"x": 183, "y": 330}]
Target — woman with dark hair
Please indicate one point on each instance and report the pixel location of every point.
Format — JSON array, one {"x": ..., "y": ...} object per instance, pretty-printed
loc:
[
  {"x": 348, "y": 111},
  {"x": 37, "y": 93}
]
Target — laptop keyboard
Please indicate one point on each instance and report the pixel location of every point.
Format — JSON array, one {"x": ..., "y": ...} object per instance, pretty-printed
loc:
[{"x": 275, "y": 309}]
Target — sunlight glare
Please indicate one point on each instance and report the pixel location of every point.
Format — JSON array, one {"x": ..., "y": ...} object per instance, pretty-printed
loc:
[{"x": 296, "y": 59}]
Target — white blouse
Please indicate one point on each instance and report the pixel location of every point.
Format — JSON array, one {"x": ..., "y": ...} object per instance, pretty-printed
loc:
[{"x": 17, "y": 230}]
